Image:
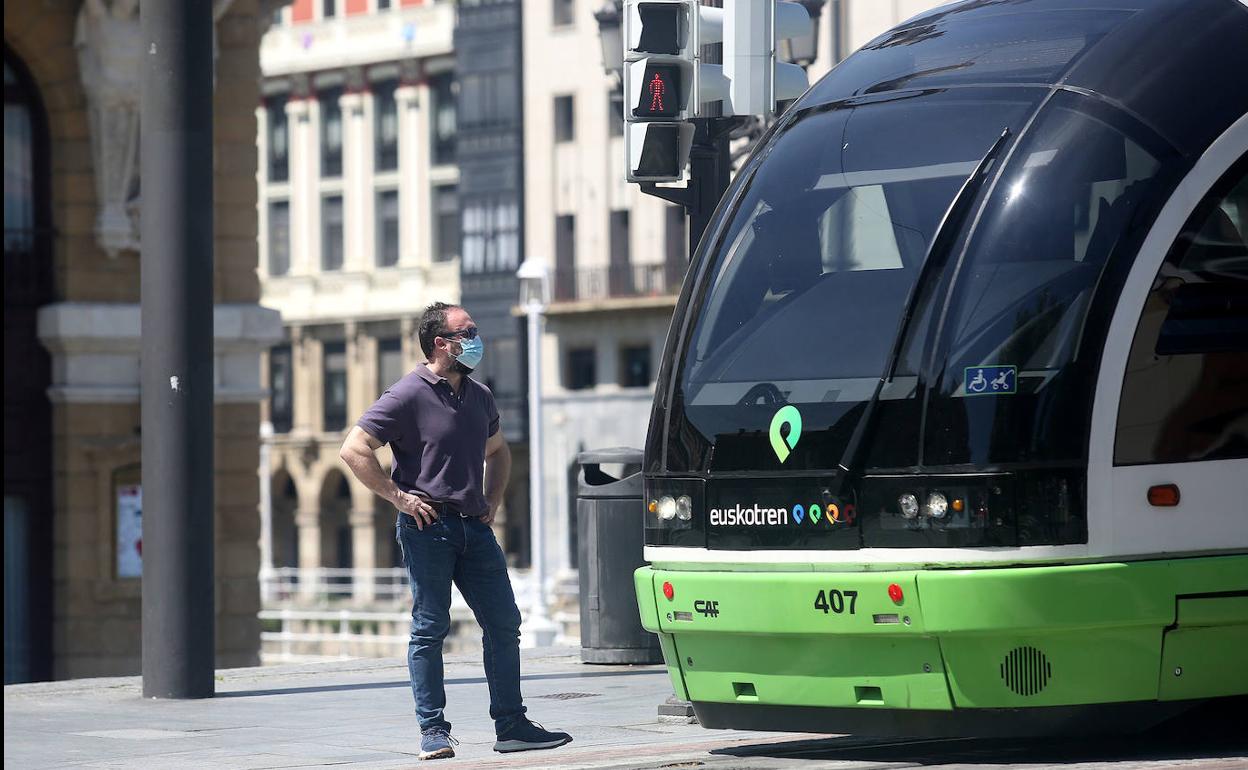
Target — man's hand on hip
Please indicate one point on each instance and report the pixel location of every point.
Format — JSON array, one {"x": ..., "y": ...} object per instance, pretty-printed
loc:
[
  {"x": 413, "y": 506},
  {"x": 491, "y": 510}
]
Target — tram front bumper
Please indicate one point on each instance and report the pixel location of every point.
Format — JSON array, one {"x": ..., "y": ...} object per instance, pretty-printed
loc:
[{"x": 801, "y": 646}]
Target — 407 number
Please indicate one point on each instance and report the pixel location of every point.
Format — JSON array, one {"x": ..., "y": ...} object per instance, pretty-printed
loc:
[{"x": 836, "y": 601}]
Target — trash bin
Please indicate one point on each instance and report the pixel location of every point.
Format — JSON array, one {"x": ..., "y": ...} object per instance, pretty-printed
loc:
[{"x": 609, "y": 543}]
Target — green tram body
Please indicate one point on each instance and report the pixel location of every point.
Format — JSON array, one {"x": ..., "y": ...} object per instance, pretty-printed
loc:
[{"x": 951, "y": 433}]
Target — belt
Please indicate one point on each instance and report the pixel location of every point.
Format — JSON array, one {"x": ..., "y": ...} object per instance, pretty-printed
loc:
[{"x": 444, "y": 509}]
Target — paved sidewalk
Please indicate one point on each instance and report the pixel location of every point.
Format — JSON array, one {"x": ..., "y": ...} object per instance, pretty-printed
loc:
[
  {"x": 360, "y": 714},
  {"x": 357, "y": 713}
]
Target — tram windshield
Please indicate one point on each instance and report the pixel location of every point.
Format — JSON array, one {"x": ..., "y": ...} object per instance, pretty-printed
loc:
[{"x": 802, "y": 301}]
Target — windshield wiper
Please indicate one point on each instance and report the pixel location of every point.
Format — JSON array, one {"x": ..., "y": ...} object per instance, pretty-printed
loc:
[{"x": 946, "y": 235}]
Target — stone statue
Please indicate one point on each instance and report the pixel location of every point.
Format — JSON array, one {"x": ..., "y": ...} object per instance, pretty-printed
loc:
[
  {"x": 110, "y": 50},
  {"x": 109, "y": 40}
]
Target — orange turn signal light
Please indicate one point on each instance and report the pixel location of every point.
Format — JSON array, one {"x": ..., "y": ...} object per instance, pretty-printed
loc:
[
  {"x": 654, "y": 506},
  {"x": 957, "y": 505},
  {"x": 1163, "y": 495}
]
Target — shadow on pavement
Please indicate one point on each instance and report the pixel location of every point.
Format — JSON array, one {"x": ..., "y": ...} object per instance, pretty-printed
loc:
[
  {"x": 653, "y": 671},
  {"x": 1213, "y": 731}
]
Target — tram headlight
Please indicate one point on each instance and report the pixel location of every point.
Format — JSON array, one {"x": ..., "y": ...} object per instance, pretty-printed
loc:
[
  {"x": 667, "y": 508},
  {"x": 909, "y": 505},
  {"x": 684, "y": 508},
  {"x": 937, "y": 506}
]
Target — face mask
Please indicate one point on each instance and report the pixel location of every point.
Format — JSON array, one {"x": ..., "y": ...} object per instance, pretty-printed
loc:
[{"x": 471, "y": 352}]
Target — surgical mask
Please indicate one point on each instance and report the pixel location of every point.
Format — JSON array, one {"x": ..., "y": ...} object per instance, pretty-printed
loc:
[{"x": 471, "y": 352}]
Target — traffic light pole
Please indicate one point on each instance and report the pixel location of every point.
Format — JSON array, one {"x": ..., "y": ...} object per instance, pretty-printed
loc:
[{"x": 710, "y": 171}]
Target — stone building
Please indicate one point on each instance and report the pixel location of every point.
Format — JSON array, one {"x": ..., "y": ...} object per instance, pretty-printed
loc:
[
  {"x": 359, "y": 231},
  {"x": 72, "y": 495}
]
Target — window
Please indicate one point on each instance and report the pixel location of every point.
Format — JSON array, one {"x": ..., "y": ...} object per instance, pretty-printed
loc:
[
  {"x": 442, "y": 89},
  {"x": 389, "y": 363},
  {"x": 279, "y": 237},
  {"x": 278, "y": 139},
  {"x": 383, "y": 5},
  {"x": 331, "y": 133},
  {"x": 446, "y": 223},
  {"x": 563, "y": 11},
  {"x": 491, "y": 233},
  {"x": 615, "y": 113},
  {"x": 331, "y": 233},
  {"x": 1183, "y": 393},
  {"x": 620, "y": 275},
  {"x": 635, "y": 366},
  {"x": 387, "y": 228},
  {"x": 582, "y": 372},
  {"x": 676, "y": 246},
  {"x": 565, "y": 119},
  {"x": 335, "y": 386},
  {"x": 385, "y": 126},
  {"x": 328, "y": 8},
  {"x": 565, "y": 257},
  {"x": 281, "y": 388}
]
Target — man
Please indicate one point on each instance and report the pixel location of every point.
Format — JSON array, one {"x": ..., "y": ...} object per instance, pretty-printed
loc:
[{"x": 442, "y": 427}]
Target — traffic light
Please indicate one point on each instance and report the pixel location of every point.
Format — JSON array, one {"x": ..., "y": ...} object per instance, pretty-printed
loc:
[
  {"x": 756, "y": 81},
  {"x": 666, "y": 83},
  {"x": 662, "y": 49}
]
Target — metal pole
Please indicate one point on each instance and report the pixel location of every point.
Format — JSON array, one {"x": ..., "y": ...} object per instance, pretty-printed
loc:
[
  {"x": 266, "y": 512},
  {"x": 177, "y": 360},
  {"x": 538, "y": 630}
]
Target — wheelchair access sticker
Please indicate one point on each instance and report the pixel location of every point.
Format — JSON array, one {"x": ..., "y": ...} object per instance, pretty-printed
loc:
[{"x": 990, "y": 380}]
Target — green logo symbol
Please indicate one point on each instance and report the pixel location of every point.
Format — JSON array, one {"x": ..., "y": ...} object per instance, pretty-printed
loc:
[{"x": 788, "y": 415}]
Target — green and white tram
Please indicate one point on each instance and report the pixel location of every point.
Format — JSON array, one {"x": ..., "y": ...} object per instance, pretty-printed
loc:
[{"x": 951, "y": 434}]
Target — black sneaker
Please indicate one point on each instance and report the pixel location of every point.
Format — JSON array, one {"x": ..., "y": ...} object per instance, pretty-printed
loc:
[
  {"x": 525, "y": 735},
  {"x": 437, "y": 743}
]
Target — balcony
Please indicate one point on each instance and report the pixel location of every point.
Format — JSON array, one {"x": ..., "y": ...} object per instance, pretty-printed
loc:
[{"x": 594, "y": 284}]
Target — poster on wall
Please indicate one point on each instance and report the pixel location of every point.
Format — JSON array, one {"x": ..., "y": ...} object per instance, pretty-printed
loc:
[{"x": 129, "y": 531}]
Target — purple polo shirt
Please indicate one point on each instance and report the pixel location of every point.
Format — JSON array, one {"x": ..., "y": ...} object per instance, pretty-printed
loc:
[{"x": 437, "y": 436}]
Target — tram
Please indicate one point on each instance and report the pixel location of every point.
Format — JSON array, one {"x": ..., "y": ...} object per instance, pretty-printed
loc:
[{"x": 951, "y": 431}]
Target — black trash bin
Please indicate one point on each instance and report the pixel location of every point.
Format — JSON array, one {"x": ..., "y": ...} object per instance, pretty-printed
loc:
[{"x": 610, "y": 524}]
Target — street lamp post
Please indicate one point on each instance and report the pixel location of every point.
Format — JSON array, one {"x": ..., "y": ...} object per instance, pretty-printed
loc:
[{"x": 537, "y": 630}]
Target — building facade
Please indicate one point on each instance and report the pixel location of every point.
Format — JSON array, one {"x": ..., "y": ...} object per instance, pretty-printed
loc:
[
  {"x": 491, "y": 197},
  {"x": 73, "y": 481},
  {"x": 359, "y": 232}
]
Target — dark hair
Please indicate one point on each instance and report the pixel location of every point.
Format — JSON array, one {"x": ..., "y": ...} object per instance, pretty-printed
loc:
[{"x": 432, "y": 324}]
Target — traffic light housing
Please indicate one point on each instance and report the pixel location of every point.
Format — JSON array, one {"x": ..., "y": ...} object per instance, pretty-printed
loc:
[{"x": 666, "y": 84}]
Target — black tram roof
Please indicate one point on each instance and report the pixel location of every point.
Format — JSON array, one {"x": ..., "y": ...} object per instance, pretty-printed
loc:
[{"x": 1180, "y": 66}]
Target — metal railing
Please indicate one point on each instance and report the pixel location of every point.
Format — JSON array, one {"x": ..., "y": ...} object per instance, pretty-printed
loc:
[
  {"x": 329, "y": 613},
  {"x": 334, "y": 584},
  {"x": 629, "y": 280}
]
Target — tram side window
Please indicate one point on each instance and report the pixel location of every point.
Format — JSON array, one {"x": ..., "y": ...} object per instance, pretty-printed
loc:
[{"x": 1185, "y": 393}]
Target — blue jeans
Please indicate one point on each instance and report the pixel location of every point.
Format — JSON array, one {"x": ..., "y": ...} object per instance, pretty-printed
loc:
[{"x": 464, "y": 551}]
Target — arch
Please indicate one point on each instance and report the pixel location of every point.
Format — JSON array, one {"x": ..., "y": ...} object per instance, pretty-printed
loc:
[
  {"x": 28, "y": 284},
  {"x": 285, "y": 497},
  {"x": 335, "y": 520}
]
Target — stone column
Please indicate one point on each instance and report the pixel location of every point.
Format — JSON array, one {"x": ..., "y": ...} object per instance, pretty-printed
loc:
[
  {"x": 301, "y": 398},
  {"x": 414, "y": 235},
  {"x": 357, "y": 172},
  {"x": 303, "y": 201},
  {"x": 308, "y": 521},
  {"x": 412, "y": 354},
  {"x": 364, "y": 554}
]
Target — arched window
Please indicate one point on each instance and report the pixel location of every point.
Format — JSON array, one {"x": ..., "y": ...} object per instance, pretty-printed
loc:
[
  {"x": 23, "y": 220},
  {"x": 27, "y": 477}
]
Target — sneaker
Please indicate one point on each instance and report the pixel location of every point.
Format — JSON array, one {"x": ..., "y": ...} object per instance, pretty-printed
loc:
[
  {"x": 437, "y": 743},
  {"x": 524, "y": 735}
]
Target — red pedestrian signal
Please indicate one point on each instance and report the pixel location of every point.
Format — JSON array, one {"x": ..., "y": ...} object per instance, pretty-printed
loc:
[{"x": 659, "y": 92}]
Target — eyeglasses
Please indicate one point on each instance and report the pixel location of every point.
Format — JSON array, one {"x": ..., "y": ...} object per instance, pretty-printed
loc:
[{"x": 471, "y": 333}]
